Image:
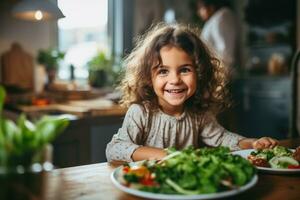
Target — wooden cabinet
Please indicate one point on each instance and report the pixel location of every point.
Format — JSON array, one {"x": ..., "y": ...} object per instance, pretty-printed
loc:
[
  {"x": 84, "y": 141},
  {"x": 262, "y": 106}
]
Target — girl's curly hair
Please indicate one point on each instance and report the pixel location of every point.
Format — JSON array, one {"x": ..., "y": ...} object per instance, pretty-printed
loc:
[{"x": 136, "y": 85}]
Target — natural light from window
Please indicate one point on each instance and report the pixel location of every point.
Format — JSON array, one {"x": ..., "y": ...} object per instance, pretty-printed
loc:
[{"x": 82, "y": 33}]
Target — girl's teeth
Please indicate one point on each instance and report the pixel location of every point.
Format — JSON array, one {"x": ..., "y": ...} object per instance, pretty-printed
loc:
[{"x": 174, "y": 91}]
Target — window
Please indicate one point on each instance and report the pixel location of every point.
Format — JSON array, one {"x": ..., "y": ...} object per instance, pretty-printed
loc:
[{"x": 82, "y": 33}]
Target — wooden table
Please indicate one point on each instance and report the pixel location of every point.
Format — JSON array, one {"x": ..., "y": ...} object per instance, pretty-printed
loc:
[{"x": 93, "y": 182}]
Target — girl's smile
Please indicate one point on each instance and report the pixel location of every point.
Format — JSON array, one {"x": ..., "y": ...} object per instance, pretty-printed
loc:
[{"x": 174, "y": 81}]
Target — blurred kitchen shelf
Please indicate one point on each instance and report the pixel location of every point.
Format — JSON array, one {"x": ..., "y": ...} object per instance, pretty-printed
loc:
[{"x": 77, "y": 110}]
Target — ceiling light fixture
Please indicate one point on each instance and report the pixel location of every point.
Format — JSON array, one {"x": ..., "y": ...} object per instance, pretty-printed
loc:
[{"x": 36, "y": 10}]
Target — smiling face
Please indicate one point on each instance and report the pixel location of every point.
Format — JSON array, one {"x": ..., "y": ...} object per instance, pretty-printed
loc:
[{"x": 174, "y": 80}]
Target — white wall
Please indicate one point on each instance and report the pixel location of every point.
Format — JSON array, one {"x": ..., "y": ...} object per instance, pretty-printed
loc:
[
  {"x": 147, "y": 12},
  {"x": 31, "y": 35}
]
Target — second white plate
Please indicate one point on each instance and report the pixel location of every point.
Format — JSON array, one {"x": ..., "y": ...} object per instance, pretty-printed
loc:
[{"x": 245, "y": 153}]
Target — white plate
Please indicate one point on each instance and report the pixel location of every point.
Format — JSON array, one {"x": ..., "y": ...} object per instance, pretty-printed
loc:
[
  {"x": 245, "y": 153},
  {"x": 116, "y": 177}
]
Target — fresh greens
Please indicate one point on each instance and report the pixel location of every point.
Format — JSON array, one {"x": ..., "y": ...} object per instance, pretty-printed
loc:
[
  {"x": 194, "y": 171},
  {"x": 280, "y": 162},
  {"x": 20, "y": 142},
  {"x": 270, "y": 153}
]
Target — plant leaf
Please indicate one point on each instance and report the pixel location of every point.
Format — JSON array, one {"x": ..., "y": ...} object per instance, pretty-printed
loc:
[
  {"x": 49, "y": 127},
  {"x": 2, "y": 97}
]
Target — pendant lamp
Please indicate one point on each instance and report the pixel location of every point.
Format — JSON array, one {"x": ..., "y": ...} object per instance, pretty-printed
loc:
[{"x": 36, "y": 10}]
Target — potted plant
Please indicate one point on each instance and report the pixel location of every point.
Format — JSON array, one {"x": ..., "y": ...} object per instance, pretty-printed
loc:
[
  {"x": 101, "y": 72},
  {"x": 50, "y": 58},
  {"x": 25, "y": 152}
]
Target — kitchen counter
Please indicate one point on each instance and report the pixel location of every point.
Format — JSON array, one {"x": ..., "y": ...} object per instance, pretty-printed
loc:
[
  {"x": 94, "y": 119},
  {"x": 94, "y": 102},
  {"x": 82, "y": 110}
]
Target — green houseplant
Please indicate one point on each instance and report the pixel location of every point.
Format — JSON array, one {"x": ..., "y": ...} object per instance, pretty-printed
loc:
[
  {"x": 101, "y": 72},
  {"x": 23, "y": 145},
  {"x": 50, "y": 59}
]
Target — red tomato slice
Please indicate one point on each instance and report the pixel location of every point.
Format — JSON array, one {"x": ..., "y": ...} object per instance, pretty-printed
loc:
[
  {"x": 126, "y": 169},
  {"x": 147, "y": 182},
  {"x": 293, "y": 166}
]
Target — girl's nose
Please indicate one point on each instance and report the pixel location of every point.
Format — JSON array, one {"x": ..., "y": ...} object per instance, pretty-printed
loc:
[{"x": 174, "y": 78}]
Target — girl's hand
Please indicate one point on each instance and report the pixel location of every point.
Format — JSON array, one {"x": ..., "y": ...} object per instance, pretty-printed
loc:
[
  {"x": 264, "y": 143},
  {"x": 148, "y": 153}
]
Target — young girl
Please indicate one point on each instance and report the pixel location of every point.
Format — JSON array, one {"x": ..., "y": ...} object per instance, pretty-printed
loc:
[{"x": 174, "y": 88}]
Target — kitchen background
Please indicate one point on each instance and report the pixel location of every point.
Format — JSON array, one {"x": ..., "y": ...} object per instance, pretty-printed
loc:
[{"x": 96, "y": 31}]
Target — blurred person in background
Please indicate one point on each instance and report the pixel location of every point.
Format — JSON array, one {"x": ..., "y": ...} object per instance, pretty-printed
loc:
[{"x": 220, "y": 31}]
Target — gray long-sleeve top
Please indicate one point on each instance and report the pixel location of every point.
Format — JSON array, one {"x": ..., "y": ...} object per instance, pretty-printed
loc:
[{"x": 157, "y": 129}]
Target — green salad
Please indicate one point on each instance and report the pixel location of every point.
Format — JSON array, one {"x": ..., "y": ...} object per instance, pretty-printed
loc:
[{"x": 190, "y": 171}]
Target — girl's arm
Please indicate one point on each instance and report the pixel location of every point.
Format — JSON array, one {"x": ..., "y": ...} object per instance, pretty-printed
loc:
[
  {"x": 261, "y": 143},
  {"x": 246, "y": 143},
  {"x": 148, "y": 153},
  {"x": 129, "y": 136}
]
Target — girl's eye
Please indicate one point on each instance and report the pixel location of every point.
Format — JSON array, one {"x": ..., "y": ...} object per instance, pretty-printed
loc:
[
  {"x": 162, "y": 72},
  {"x": 185, "y": 70}
]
